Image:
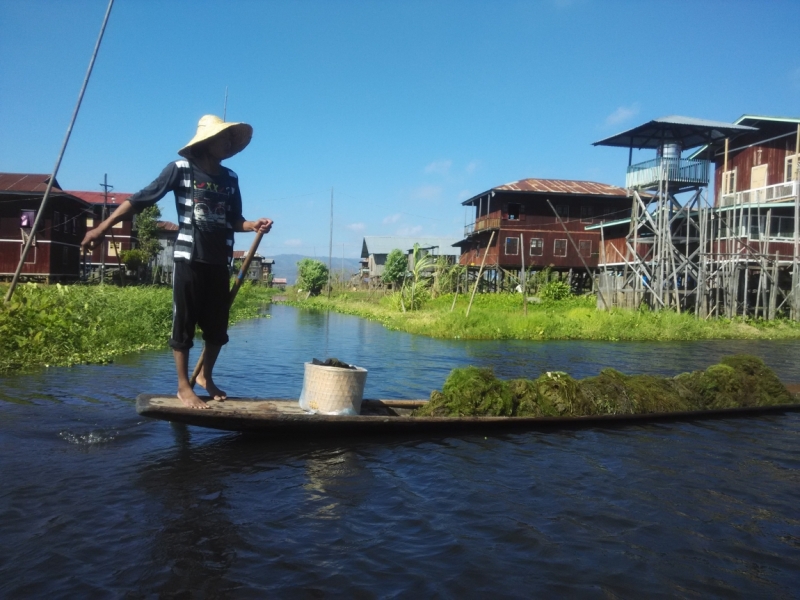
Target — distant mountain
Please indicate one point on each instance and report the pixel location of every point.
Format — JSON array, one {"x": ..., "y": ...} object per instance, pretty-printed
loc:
[{"x": 286, "y": 265}]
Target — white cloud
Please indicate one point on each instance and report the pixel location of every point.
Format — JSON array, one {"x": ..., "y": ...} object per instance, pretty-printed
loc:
[
  {"x": 471, "y": 167},
  {"x": 622, "y": 114},
  {"x": 408, "y": 231},
  {"x": 293, "y": 243},
  {"x": 427, "y": 192},
  {"x": 439, "y": 167},
  {"x": 392, "y": 219},
  {"x": 356, "y": 226}
]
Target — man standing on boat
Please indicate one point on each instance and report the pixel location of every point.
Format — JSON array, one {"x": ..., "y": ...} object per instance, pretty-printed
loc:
[{"x": 209, "y": 206}]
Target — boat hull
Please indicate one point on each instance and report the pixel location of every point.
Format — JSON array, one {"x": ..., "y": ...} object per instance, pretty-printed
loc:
[{"x": 278, "y": 416}]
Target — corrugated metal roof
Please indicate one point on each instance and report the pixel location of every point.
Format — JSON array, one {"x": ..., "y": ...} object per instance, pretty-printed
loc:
[
  {"x": 563, "y": 186},
  {"x": 752, "y": 121},
  {"x": 384, "y": 244},
  {"x": 167, "y": 226},
  {"x": 555, "y": 186},
  {"x": 25, "y": 182},
  {"x": 99, "y": 197},
  {"x": 686, "y": 131}
]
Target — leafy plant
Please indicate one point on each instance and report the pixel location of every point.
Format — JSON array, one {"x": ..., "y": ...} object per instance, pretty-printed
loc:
[
  {"x": 312, "y": 275},
  {"x": 555, "y": 290},
  {"x": 134, "y": 259},
  {"x": 396, "y": 267}
]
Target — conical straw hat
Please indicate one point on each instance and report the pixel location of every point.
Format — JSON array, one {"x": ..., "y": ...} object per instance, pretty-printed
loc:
[{"x": 210, "y": 126}]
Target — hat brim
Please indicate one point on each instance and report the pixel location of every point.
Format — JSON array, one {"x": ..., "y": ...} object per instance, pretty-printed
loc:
[{"x": 240, "y": 135}]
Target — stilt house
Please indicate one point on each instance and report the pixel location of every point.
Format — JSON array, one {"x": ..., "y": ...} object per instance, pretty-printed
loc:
[{"x": 538, "y": 223}]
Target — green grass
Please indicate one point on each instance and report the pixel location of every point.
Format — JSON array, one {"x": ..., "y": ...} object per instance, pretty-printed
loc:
[
  {"x": 66, "y": 325},
  {"x": 500, "y": 316}
]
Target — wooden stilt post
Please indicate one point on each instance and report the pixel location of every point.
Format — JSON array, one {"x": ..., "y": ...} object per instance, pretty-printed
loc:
[{"x": 480, "y": 271}]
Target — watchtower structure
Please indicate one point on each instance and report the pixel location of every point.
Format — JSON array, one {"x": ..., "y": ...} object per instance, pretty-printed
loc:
[{"x": 659, "y": 262}]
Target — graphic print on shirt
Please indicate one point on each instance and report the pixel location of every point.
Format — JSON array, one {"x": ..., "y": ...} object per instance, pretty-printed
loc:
[{"x": 211, "y": 202}]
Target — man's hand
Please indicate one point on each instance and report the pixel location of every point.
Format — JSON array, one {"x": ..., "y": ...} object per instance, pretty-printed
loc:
[
  {"x": 92, "y": 239},
  {"x": 262, "y": 225}
]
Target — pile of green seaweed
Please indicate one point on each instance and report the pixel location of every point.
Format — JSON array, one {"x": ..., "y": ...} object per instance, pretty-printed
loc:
[{"x": 737, "y": 381}]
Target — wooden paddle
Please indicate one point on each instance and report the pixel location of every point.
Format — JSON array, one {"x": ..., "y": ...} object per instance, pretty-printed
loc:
[{"x": 234, "y": 290}]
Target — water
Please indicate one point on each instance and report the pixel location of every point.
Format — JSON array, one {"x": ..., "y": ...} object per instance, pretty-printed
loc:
[{"x": 98, "y": 502}]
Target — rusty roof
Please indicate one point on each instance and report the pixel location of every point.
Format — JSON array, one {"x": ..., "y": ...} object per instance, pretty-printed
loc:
[
  {"x": 555, "y": 186},
  {"x": 99, "y": 197},
  {"x": 25, "y": 182},
  {"x": 167, "y": 225}
]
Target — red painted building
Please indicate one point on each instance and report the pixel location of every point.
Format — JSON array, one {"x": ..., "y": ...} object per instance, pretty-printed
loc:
[
  {"x": 526, "y": 227},
  {"x": 55, "y": 252},
  {"x": 120, "y": 237}
]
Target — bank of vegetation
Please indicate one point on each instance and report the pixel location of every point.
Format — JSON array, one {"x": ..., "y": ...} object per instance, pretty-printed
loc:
[
  {"x": 64, "y": 325},
  {"x": 501, "y": 316},
  {"x": 431, "y": 297}
]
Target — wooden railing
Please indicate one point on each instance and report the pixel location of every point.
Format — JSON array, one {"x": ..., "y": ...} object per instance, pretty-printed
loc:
[
  {"x": 673, "y": 170},
  {"x": 768, "y": 193},
  {"x": 483, "y": 224}
]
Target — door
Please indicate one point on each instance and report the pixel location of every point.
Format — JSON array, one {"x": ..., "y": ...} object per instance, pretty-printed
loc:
[{"x": 758, "y": 179}]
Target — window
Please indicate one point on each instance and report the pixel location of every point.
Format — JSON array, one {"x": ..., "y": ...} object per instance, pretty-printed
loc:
[
  {"x": 65, "y": 256},
  {"x": 117, "y": 225},
  {"x": 560, "y": 248},
  {"x": 728, "y": 182},
  {"x": 56, "y": 220},
  {"x": 514, "y": 212},
  {"x": 537, "y": 246},
  {"x": 113, "y": 248},
  {"x": 585, "y": 248},
  {"x": 26, "y": 218},
  {"x": 89, "y": 222},
  {"x": 562, "y": 210},
  {"x": 512, "y": 246},
  {"x": 587, "y": 213},
  {"x": 790, "y": 171},
  {"x": 65, "y": 217}
]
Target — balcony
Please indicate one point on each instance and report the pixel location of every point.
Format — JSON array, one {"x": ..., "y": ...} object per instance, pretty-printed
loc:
[
  {"x": 770, "y": 193},
  {"x": 482, "y": 224},
  {"x": 677, "y": 171}
]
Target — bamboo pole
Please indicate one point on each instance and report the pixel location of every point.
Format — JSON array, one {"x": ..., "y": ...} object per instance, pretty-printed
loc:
[
  {"x": 52, "y": 179},
  {"x": 231, "y": 297},
  {"x": 480, "y": 271},
  {"x": 578, "y": 252},
  {"x": 524, "y": 277}
]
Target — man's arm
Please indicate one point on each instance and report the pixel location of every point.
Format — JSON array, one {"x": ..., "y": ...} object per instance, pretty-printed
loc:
[
  {"x": 94, "y": 236},
  {"x": 262, "y": 225}
]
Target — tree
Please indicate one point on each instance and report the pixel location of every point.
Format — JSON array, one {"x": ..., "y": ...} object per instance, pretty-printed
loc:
[
  {"x": 147, "y": 230},
  {"x": 312, "y": 275},
  {"x": 394, "y": 271}
]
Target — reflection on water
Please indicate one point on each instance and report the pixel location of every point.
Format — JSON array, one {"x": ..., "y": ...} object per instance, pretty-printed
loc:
[{"x": 97, "y": 501}]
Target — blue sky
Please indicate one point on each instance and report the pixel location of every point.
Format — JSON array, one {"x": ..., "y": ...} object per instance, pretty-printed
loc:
[{"x": 404, "y": 108}]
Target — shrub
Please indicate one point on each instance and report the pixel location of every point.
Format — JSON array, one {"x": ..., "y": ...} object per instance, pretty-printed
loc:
[
  {"x": 312, "y": 275},
  {"x": 555, "y": 290}
]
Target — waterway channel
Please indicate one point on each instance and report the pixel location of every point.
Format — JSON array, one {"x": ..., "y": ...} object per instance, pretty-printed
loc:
[{"x": 96, "y": 501}]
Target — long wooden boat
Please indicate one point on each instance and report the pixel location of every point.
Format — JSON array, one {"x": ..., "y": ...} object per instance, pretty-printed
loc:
[{"x": 383, "y": 416}]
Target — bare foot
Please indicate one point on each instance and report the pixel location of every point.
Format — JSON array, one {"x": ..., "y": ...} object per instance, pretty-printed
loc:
[
  {"x": 211, "y": 388},
  {"x": 190, "y": 399}
]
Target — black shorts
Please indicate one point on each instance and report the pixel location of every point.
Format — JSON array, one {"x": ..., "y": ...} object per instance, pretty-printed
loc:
[{"x": 200, "y": 296}]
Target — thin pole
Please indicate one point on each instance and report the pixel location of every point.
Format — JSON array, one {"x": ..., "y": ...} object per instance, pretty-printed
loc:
[
  {"x": 524, "y": 275},
  {"x": 330, "y": 249},
  {"x": 46, "y": 196},
  {"x": 480, "y": 271},
  {"x": 225, "y": 106}
]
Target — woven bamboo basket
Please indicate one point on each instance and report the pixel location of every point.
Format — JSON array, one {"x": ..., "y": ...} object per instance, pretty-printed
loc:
[{"x": 332, "y": 390}]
